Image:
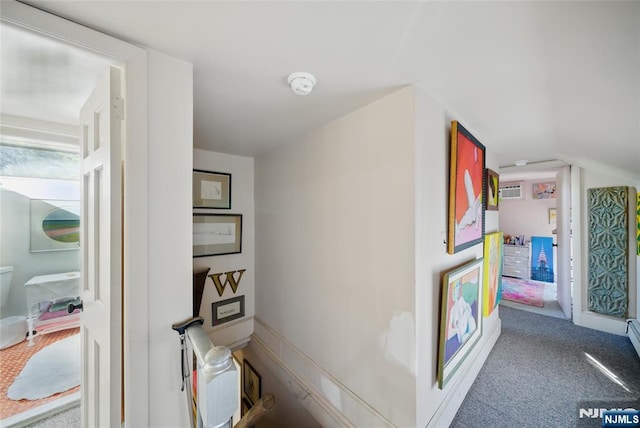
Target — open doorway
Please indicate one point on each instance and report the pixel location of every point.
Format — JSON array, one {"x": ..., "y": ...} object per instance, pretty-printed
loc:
[
  {"x": 535, "y": 218},
  {"x": 44, "y": 84}
]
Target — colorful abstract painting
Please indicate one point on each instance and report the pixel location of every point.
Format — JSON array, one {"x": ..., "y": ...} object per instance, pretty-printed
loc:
[
  {"x": 492, "y": 283},
  {"x": 466, "y": 186},
  {"x": 460, "y": 317},
  {"x": 544, "y": 191},
  {"x": 542, "y": 259}
]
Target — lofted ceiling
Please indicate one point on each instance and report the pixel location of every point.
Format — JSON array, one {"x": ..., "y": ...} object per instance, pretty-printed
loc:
[{"x": 533, "y": 80}]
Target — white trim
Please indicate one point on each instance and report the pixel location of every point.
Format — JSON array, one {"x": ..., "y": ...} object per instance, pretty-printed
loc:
[
  {"x": 576, "y": 241},
  {"x": 136, "y": 234},
  {"x": 43, "y": 411},
  {"x": 25, "y": 131},
  {"x": 464, "y": 379},
  {"x": 634, "y": 334},
  {"x": 304, "y": 378}
]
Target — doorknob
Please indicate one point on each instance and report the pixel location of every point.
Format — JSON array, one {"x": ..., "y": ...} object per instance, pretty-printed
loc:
[{"x": 72, "y": 307}]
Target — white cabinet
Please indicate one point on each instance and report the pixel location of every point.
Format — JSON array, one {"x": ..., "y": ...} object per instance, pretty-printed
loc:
[{"x": 516, "y": 261}]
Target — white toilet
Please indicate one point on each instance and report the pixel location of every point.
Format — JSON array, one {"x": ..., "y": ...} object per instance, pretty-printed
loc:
[{"x": 13, "y": 330}]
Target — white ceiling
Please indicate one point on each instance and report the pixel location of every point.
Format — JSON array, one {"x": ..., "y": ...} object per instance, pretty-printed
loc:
[{"x": 533, "y": 80}]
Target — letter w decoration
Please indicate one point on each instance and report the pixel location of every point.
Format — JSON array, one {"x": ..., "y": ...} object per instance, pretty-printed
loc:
[{"x": 231, "y": 280}]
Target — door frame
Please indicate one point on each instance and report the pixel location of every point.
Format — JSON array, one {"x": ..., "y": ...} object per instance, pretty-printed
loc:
[{"x": 135, "y": 308}]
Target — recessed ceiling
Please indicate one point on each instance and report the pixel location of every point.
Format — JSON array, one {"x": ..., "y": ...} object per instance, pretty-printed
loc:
[{"x": 532, "y": 80}]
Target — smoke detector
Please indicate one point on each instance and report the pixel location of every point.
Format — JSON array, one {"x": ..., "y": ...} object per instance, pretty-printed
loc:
[{"x": 301, "y": 83}]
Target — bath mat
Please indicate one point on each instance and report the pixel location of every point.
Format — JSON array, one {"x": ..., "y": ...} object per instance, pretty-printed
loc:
[
  {"x": 523, "y": 291},
  {"x": 51, "y": 370}
]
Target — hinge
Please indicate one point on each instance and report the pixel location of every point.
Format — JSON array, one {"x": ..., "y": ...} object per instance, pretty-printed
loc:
[{"x": 118, "y": 105}]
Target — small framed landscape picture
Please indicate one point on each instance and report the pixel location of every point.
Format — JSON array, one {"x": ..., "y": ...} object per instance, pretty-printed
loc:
[
  {"x": 216, "y": 234},
  {"x": 211, "y": 189},
  {"x": 251, "y": 382}
]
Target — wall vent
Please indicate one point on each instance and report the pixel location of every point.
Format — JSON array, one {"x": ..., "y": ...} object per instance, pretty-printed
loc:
[{"x": 511, "y": 191}]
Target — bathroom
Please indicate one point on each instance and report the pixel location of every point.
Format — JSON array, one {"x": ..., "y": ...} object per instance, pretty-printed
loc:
[{"x": 39, "y": 219}]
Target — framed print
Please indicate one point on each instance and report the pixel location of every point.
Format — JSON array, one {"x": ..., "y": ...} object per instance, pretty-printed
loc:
[
  {"x": 460, "y": 318},
  {"x": 211, "y": 189},
  {"x": 493, "y": 190},
  {"x": 227, "y": 310},
  {"x": 466, "y": 187},
  {"x": 54, "y": 225},
  {"x": 216, "y": 234},
  {"x": 246, "y": 406},
  {"x": 492, "y": 283},
  {"x": 552, "y": 216},
  {"x": 544, "y": 191},
  {"x": 251, "y": 383}
]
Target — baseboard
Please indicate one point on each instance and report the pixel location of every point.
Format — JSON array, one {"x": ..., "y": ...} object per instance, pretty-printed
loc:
[
  {"x": 330, "y": 402},
  {"x": 448, "y": 408},
  {"x": 634, "y": 334}
]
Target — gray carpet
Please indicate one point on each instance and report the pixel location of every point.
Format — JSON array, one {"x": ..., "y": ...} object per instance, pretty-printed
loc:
[{"x": 539, "y": 375}]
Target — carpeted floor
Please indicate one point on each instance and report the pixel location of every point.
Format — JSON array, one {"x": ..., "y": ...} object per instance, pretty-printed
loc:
[{"x": 543, "y": 369}]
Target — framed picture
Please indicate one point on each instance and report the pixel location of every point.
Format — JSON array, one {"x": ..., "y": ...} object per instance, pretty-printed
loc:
[
  {"x": 460, "y": 318},
  {"x": 246, "y": 406},
  {"x": 466, "y": 187},
  {"x": 544, "y": 191},
  {"x": 227, "y": 310},
  {"x": 552, "y": 216},
  {"x": 251, "y": 383},
  {"x": 216, "y": 234},
  {"x": 54, "y": 225},
  {"x": 493, "y": 190},
  {"x": 211, "y": 189},
  {"x": 492, "y": 284}
]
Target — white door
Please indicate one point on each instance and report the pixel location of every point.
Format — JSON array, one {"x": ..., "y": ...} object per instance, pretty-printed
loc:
[
  {"x": 564, "y": 263},
  {"x": 101, "y": 245}
]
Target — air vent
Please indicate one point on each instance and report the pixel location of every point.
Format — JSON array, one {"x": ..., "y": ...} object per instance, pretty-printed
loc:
[{"x": 511, "y": 191}]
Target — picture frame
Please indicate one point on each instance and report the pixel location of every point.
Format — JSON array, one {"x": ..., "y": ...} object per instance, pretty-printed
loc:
[
  {"x": 227, "y": 310},
  {"x": 492, "y": 194},
  {"x": 54, "y": 225},
  {"x": 216, "y": 234},
  {"x": 460, "y": 318},
  {"x": 246, "y": 406},
  {"x": 251, "y": 382},
  {"x": 553, "y": 216},
  {"x": 211, "y": 189},
  {"x": 638, "y": 218},
  {"x": 466, "y": 188},
  {"x": 493, "y": 264},
  {"x": 544, "y": 190}
]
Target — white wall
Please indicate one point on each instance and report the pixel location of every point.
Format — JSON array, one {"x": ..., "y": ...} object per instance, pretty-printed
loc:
[
  {"x": 331, "y": 289},
  {"x": 288, "y": 410},
  {"x": 335, "y": 261},
  {"x": 241, "y": 170},
  {"x": 584, "y": 178},
  {"x": 527, "y": 216},
  {"x": 433, "y": 122},
  {"x": 169, "y": 222},
  {"x": 15, "y": 242}
]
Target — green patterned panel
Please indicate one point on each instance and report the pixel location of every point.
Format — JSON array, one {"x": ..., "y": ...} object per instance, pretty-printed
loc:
[{"x": 608, "y": 248}]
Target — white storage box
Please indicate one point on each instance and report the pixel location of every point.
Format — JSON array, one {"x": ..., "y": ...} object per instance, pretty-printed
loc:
[{"x": 13, "y": 330}]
